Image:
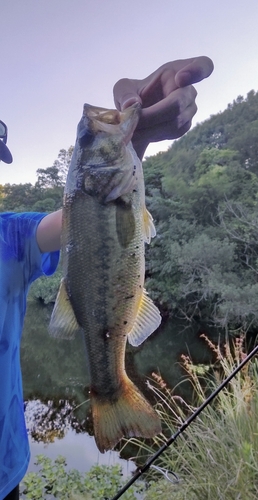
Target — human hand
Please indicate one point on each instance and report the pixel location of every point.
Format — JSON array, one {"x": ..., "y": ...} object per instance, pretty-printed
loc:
[{"x": 167, "y": 98}]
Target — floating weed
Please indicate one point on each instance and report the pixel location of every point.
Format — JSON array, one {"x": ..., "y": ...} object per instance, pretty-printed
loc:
[{"x": 54, "y": 481}]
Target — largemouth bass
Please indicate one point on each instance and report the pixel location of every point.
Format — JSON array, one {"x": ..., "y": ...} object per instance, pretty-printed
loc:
[{"x": 105, "y": 227}]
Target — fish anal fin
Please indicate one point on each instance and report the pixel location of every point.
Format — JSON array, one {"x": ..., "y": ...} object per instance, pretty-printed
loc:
[
  {"x": 63, "y": 324},
  {"x": 149, "y": 230},
  {"x": 130, "y": 415},
  {"x": 147, "y": 321}
]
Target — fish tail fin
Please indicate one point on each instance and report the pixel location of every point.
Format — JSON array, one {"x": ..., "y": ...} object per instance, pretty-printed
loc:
[{"x": 129, "y": 415}]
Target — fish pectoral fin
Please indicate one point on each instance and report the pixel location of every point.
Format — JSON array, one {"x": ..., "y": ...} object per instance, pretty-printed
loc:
[
  {"x": 149, "y": 230},
  {"x": 63, "y": 324},
  {"x": 147, "y": 321},
  {"x": 125, "y": 222}
]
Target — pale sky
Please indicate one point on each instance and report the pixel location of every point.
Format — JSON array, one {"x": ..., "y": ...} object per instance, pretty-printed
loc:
[{"x": 58, "y": 54}]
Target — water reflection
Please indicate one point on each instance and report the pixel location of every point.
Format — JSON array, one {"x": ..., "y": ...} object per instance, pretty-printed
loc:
[
  {"x": 56, "y": 382},
  {"x": 80, "y": 451}
]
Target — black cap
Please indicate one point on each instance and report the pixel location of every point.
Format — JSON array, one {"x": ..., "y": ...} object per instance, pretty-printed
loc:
[{"x": 5, "y": 154}]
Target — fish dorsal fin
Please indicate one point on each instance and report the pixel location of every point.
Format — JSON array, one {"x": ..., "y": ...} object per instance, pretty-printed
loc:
[
  {"x": 63, "y": 324},
  {"x": 149, "y": 230},
  {"x": 147, "y": 321}
]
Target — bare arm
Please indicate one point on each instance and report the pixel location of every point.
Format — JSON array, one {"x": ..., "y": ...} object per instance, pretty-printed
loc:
[{"x": 49, "y": 232}]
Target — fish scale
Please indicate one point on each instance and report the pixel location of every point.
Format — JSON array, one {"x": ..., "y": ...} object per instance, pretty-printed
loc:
[{"x": 91, "y": 286}]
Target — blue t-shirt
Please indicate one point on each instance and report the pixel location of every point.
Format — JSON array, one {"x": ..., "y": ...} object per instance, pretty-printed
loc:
[{"x": 21, "y": 262}]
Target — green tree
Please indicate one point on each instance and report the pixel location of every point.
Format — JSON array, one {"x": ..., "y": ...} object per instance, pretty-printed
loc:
[{"x": 19, "y": 197}]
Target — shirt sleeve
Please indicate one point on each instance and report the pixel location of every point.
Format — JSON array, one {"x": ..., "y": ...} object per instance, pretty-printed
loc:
[{"x": 21, "y": 245}]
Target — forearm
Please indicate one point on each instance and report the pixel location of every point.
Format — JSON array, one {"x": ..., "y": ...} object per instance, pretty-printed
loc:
[{"x": 49, "y": 232}]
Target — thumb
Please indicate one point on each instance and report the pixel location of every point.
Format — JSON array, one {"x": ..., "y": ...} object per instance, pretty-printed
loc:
[{"x": 125, "y": 93}]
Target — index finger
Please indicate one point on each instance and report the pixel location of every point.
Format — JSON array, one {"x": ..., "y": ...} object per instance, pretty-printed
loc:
[{"x": 193, "y": 70}]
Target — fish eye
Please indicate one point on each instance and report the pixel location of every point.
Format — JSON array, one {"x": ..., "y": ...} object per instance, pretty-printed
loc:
[{"x": 86, "y": 138}]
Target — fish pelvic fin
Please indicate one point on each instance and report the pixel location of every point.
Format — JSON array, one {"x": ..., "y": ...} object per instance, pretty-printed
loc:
[
  {"x": 149, "y": 230},
  {"x": 63, "y": 324},
  {"x": 130, "y": 415},
  {"x": 147, "y": 321}
]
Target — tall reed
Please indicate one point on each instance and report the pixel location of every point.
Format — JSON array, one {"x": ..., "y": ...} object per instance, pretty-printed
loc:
[{"x": 217, "y": 455}]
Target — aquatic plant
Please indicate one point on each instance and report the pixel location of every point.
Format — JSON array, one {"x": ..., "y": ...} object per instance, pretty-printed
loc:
[{"x": 53, "y": 480}]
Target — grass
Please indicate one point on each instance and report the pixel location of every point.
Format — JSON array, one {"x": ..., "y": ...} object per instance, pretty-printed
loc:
[{"x": 216, "y": 457}]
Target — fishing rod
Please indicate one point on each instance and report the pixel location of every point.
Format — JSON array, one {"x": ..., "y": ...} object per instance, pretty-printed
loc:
[{"x": 185, "y": 424}]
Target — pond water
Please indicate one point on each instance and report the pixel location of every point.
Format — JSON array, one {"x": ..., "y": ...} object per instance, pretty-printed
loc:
[
  {"x": 56, "y": 384},
  {"x": 79, "y": 449}
]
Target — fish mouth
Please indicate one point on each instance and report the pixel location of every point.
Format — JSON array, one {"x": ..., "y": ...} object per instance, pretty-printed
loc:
[
  {"x": 110, "y": 116},
  {"x": 103, "y": 119}
]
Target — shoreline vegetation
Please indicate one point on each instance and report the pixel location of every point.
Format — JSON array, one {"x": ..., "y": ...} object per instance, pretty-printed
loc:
[{"x": 217, "y": 456}]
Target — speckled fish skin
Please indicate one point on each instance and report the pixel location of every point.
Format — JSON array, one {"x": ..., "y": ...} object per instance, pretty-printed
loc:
[{"x": 105, "y": 227}]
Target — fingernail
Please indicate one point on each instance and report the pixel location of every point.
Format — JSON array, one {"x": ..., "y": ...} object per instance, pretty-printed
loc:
[{"x": 129, "y": 102}]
